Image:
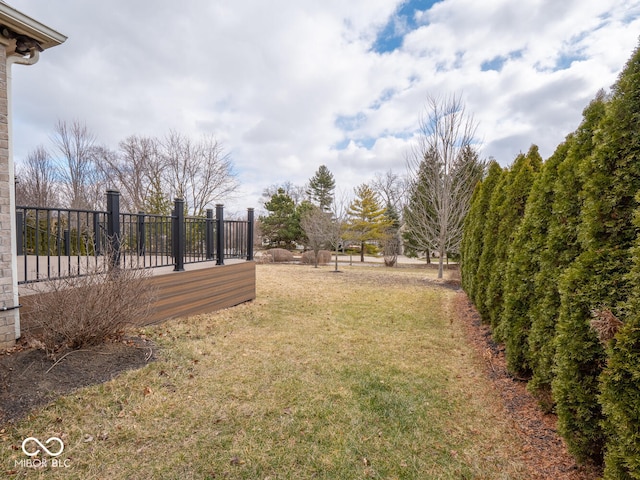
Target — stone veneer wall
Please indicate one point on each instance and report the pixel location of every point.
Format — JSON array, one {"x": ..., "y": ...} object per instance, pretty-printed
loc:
[{"x": 7, "y": 318}]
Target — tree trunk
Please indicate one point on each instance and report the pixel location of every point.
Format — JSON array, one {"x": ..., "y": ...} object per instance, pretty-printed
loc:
[
  {"x": 362, "y": 252},
  {"x": 441, "y": 264}
]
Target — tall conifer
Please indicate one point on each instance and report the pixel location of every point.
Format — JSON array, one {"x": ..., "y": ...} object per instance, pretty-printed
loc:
[
  {"x": 524, "y": 262},
  {"x": 517, "y": 187},
  {"x": 598, "y": 281},
  {"x": 562, "y": 247},
  {"x": 473, "y": 241}
]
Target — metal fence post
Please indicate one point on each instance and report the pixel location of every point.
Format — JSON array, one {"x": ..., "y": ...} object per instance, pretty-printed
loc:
[
  {"x": 113, "y": 226},
  {"x": 209, "y": 232},
  {"x": 97, "y": 238},
  {"x": 66, "y": 241},
  {"x": 178, "y": 234},
  {"x": 220, "y": 234},
  {"x": 20, "y": 232},
  {"x": 250, "y": 234},
  {"x": 141, "y": 234}
]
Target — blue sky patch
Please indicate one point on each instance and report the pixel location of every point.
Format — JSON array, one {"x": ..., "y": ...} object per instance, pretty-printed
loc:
[
  {"x": 565, "y": 60},
  {"x": 495, "y": 63},
  {"x": 403, "y": 21},
  {"x": 498, "y": 62},
  {"x": 350, "y": 122}
]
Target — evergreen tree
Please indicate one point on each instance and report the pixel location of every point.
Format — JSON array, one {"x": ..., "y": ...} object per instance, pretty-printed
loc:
[
  {"x": 282, "y": 225},
  {"x": 562, "y": 248},
  {"x": 598, "y": 280},
  {"x": 473, "y": 240},
  {"x": 321, "y": 187},
  {"x": 524, "y": 263},
  {"x": 517, "y": 187},
  {"x": 620, "y": 383},
  {"x": 367, "y": 220},
  {"x": 488, "y": 257}
]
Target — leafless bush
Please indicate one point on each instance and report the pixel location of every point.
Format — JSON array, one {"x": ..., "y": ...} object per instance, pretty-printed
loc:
[
  {"x": 263, "y": 257},
  {"x": 88, "y": 310},
  {"x": 324, "y": 257},
  {"x": 391, "y": 249},
  {"x": 280, "y": 255},
  {"x": 605, "y": 324}
]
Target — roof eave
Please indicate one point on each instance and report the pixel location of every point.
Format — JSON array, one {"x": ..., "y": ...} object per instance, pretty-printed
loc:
[{"x": 25, "y": 25}]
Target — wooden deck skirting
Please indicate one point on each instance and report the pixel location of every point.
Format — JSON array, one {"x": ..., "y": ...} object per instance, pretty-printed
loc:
[
  {"x": 183, "y": 294},
  {"x": 191, "y": 292}
]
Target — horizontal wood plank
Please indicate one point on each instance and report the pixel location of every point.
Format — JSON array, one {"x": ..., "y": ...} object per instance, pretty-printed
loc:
[{"x": 192, "y": 292}]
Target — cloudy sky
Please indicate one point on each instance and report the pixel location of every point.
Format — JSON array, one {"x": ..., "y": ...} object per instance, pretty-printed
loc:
[{"x": 289, "y": 85}]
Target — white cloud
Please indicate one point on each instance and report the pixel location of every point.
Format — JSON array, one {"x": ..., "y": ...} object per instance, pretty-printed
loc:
[{"x": 275, "y": 81}]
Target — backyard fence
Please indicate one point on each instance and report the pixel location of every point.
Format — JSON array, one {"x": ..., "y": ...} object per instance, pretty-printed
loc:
[{"x": 59, "y": 242}]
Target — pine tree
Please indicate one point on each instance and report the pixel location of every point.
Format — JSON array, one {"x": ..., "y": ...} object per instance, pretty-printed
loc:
[
  {"x": 282, "y": 225},
  {"x": 562, "y": 248},
  {"x": 598, "y": 280},
  {"x": 321, "y": 187},
  {"x": 367, "y": 220}
]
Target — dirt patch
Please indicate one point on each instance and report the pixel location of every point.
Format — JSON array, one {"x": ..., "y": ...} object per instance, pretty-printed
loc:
[
  {"x": 29, "y": 379},
  {"x": 545, "y": 451}
]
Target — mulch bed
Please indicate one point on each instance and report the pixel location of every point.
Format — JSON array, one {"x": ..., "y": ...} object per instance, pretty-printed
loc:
[
  {"x": 29, "y": 379},
  {"x": 545, "y": 452}
]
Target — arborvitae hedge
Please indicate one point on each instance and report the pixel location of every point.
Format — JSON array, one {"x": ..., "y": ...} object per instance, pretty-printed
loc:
[
  {"x": 510, "y": 212},
  {"x": 561, "y": 249},
  {"x": 473, "y": 240},
  {"x": 570, "y": 277},
  {"x": 598, "y": 280},
  {"x": 522, "y": 266},
  {"x": 620, "y": 381},
  {"x": 488, "y": 259},
  {"x": 620, "y": 385}
]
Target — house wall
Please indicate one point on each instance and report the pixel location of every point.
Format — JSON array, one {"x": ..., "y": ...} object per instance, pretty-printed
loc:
[{"x": 8, "y": 290}]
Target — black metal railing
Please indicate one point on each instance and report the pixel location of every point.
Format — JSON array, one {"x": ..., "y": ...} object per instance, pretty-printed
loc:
[{"x": 57, "y": 242}]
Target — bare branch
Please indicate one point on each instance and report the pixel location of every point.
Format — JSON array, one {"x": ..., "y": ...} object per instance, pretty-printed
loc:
[{"x": 444, "y": 168}]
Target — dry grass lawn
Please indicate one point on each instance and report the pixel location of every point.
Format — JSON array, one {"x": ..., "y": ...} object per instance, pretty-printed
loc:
[{"x": 352, "y": 375}]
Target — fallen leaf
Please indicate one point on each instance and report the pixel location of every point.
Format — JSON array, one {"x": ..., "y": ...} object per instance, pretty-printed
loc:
[{"x": 147, "y": 391}]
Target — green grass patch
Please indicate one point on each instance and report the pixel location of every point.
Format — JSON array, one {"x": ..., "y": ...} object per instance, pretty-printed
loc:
[{"x": 361, "y": 374}]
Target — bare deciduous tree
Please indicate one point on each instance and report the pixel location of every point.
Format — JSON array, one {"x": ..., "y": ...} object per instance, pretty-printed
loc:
[
  {"x": 81, "y": 182},
  {"x": 199, "y": 172},
  {"x": 339, "y": 212},
  {"x": 391, "y": 187},
  {"x": 296, "y": 192},
  {"x": 317, "y": 225},
  {"x": 444, "y": 168},
  {"x": 35, "y": 180},
  {"x": 136, "y": 170}
]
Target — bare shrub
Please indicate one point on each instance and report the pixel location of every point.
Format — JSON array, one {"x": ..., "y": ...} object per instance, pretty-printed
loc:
[
  {"x": 605, "y": 324},
  {"x": 88, "y": 310},
  {"x": 309, "y": 258},
  {"x": 263, "y": 257},
  {"x": 280, "y": 255},
  {"x": 391, "y": 249}
]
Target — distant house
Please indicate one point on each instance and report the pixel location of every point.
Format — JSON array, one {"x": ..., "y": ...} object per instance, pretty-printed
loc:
[{"x": 23, "y": 39}]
